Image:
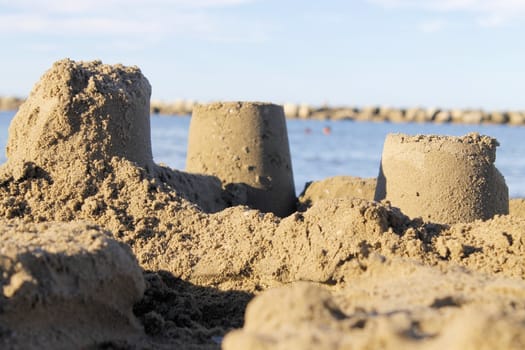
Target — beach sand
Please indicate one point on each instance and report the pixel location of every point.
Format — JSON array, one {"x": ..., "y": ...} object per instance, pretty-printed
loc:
[{"x": 102, "y": 248}]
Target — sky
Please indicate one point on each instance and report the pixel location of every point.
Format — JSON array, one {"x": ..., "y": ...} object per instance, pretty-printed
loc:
[{"x": 397, "y": 53}]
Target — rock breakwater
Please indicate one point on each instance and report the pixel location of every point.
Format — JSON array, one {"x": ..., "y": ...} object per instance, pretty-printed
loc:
[
  {"x": 371, "y": 113},
  {"x": 180, "y": 107}
]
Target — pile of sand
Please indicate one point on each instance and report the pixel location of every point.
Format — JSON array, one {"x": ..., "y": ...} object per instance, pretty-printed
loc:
[
  {"x": 337, "y": 187},
  {"x": 203, "y": 261},
  {"x": 395, "y": 304},
  {"x": 66, "y": 285}
]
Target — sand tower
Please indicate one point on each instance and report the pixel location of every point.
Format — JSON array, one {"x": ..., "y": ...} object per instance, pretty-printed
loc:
[
  {"x": 443, "y": 179},
  {"x": 245, "y": 144},
  {"x": 83, "y": 112}
]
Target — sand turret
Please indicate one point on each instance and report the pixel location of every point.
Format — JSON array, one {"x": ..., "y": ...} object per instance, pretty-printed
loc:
[
  {"x": 245, "y": 144},
  {"x": 443, "y": 179},
  {"x": 83, "y": 111}
]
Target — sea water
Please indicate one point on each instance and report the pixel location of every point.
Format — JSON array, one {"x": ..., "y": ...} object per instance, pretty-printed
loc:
[{"x": 350, "y": 148}]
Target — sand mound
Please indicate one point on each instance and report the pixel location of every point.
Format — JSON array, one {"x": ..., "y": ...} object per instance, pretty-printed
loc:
[
  {"x": 66, "y": 285},
  {"x": 395, "y": 304},
  {"x": 329, "y": 243},
  {"x": 336, "y": 243},
  {"x": 202, "y": 268},
  {"x": 245, "y": 249},
  {"x": 337, "y": 187}
]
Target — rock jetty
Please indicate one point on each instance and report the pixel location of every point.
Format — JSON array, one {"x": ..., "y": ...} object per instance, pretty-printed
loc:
[
  {"x": 181, "y": 107},
  {"x": 370, "y": 113},
  {"x": 10, "y": 103}
]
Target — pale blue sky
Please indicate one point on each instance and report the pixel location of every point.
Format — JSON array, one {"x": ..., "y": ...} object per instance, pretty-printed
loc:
[{"x": 442, "y": 53}]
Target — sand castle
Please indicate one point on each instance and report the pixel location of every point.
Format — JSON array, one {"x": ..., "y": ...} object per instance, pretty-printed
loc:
[
  {"x": 156, "y": 269},
  {"x": 107, "y": 115},
  {"x": 245, "y": 144},
  {"x": 442, "y": 179}
]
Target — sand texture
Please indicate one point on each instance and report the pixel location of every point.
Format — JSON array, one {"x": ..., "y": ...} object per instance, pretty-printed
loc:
[
  {"x": 147, "y": 257},
  {"x": 337, "y": 187},
  {"x": 443, "y": 179},
  {"x": 245, "y": 144},
  {"x": 66, "y": 285},
  {"x": 395, "y": 304},
  {"x": 517, "y": 207}
]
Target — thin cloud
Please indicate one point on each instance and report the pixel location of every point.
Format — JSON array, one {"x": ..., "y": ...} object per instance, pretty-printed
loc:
[
  {"x": 432, "y": 26},
  {"x": 90, "y": 6},
  {"x": 134, "y": 19},
  {"x": 491, "y": 21},
  {"x": 487, "y": 13},
  {"x": 34, "y": 23}
]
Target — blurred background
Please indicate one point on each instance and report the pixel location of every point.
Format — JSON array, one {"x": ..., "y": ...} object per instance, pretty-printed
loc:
[{"x": 400, "y": 53}]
